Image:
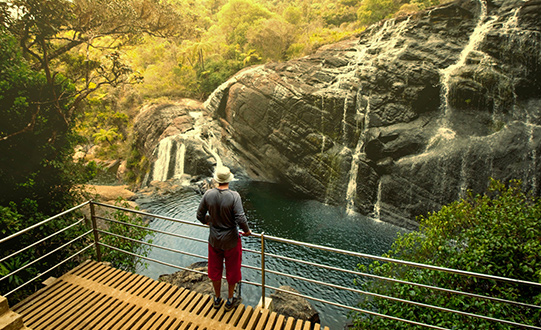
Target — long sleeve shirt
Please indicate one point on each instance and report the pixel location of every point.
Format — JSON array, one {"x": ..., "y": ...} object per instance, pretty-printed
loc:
[{"x": 225, "y": 214}]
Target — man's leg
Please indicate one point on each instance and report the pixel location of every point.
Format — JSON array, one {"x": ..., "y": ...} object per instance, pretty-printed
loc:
[
  {"x": 233, "y": 259},
  {"x": 231, "y": 290},
  {"x": 217, "y": 287},
  {"x": 215, "y": 269}
]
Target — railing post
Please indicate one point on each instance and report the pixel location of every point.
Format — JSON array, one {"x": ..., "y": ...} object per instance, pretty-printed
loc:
[
  {"x": 263, "y": 270},
  {"x": 95, "y": 231}
]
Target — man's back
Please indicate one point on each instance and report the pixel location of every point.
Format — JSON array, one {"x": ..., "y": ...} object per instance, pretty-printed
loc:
[{"x": 225, "y": 213}]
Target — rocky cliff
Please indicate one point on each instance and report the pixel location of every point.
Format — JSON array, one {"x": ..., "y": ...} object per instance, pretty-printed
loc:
[{"x": 405, "y": 118}]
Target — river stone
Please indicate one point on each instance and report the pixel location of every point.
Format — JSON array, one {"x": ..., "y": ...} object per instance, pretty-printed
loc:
[
  {"x": 293, "y": 306},
  {"x": 191, "y": 280}
]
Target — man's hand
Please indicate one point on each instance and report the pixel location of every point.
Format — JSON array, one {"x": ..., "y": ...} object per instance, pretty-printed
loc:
[{"x": 248, "y": 233}]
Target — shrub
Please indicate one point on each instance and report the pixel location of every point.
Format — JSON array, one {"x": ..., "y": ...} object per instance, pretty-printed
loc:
[{"x": 496, "y": 233}]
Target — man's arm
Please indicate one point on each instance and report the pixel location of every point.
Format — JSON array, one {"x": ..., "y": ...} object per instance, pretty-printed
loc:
[
  {"x": 202, "y": 215},
  {"x": 240, "y": 217}
]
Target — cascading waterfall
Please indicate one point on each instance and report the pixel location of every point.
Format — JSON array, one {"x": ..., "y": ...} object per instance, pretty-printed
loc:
[
  {"x": 179, "y": 161},
  {"x": 171, "y": 151},
  {"x": 477, "y": 36},
  {"x": 376, "y": 215},
  {"x": 394, "y": 33},
  {"x": 161, "y": 166},
  {"x": 170, "y": 160}
]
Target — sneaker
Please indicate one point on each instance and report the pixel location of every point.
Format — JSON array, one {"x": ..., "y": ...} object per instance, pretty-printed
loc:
[
  {"x": 217, "y": 302},
  {"x": 232, "y": 303}
]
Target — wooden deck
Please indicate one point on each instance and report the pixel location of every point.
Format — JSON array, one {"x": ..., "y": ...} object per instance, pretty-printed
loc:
[{"x": 95, "y": 296}]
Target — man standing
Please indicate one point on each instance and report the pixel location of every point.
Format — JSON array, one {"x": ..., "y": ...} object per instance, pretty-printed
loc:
[{"x": 225, "y": 214}]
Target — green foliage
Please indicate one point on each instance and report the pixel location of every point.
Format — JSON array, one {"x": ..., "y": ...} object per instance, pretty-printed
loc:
[
  {"x": 15, "y": 218},
  {"x": 496, "y": 233},
  {"x": 125, "y": 228},
  {"x": 35, "y": 139},
  {"x": 372, "y": 11}
]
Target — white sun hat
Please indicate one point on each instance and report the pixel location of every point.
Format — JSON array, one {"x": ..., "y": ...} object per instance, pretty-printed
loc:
[{"x": 223, "y": 174}]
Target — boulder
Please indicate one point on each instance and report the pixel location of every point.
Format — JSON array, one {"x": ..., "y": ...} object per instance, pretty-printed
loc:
[
  {"x": 191, "y": 280},
  {"x": 293, "y": 306}
]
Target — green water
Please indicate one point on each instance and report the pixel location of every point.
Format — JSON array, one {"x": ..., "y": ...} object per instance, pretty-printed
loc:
[{"x": 281, "y": 213}]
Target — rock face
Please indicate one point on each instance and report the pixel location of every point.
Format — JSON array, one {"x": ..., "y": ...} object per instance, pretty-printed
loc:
[
  {"x": 293, "y": 306},
  {"x": 181, "y": 141},
  {"x": 402, "y": 120}
]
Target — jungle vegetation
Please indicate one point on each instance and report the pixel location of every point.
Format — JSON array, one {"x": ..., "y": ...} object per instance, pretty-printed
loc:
[{"x": 495, "y": 233}]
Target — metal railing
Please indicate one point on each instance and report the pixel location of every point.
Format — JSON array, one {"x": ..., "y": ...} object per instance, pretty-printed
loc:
[{"x": 264, "y": 271}]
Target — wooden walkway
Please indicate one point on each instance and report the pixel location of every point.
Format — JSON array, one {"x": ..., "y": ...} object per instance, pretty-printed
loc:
[{"x": 95, "y": 296}]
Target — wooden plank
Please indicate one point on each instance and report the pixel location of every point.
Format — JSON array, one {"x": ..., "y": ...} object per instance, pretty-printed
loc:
[
  {"x": 82, "y": 315},
  {"x": 117, "y": 313},
  {"x": 127, "y": 318},
  {"x": 289, "y": 323},
  {"x": 232, "y": 319},
  {"x": 27, "y": 305},
  {"x": 83, "y": 296},
  {"x": 254, "y": 319},
  {"x": 158, "y": 291},
  {"x": 120, "y": 281},
  {"x": 270, "y": 323},
  {"x": 129, "y": 324},
  {"x": 103, "y": 313},
  {"x": 95, "y": 296},
  {"x": 263, "y": 320},
  {"x": 68, "y": 321},
  {"x": 95, "y": 272},
  {"x": 85, "y": 268},
  {"x": 65, "y": 293},
  {"x": 143, "y": 318},
  {"x": 245, "y": 317},
  {"x": 149, "y": 323},
  {"x": 111, "y": 278}
]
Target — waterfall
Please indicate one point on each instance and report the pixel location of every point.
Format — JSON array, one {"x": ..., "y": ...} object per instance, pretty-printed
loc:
[
  {"x": 377, "y": 42},
  {"x": 170, "y": 159},
  {"x": 209, "y": 146},
  {"x": 478, "y": 35},
  {"x": 161, "y": 166},
  {"x": 179, "y": 161},
  {"x": 376, "y": 215}
]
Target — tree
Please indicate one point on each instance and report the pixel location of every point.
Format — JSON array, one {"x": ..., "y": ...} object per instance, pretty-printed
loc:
[
  {"x": 496, "y": 233},
  {"x": 80, "y": 40},
  {"x": 372, "y": 11},
  {"x": 35, "y": 140},
  {"x": 272, "y": 38},
  {"x": 238, "y": 16}
]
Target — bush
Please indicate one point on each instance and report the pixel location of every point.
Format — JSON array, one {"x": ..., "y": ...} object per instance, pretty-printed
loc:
[{"x": 496, "y": 233}]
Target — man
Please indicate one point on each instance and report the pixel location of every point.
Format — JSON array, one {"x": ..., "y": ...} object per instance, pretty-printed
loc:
[{"x": 225, "y": 213}]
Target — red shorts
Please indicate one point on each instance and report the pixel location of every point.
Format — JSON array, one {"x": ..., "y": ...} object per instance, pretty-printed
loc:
[{"x": 233, "y": 258}]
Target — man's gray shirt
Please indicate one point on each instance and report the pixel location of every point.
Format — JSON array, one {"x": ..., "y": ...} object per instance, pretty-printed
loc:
[{"x": 225, "y": 213}]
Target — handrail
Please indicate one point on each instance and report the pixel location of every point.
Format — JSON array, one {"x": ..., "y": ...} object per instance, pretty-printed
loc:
[
  {"x": 264, "y": 255},
  {"x": 5, "y": 239}
]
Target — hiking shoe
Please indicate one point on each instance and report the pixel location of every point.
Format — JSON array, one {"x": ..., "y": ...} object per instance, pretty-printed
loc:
[
  {"x": 217, "y": 302},
  {"x": 232, "y": 303}
]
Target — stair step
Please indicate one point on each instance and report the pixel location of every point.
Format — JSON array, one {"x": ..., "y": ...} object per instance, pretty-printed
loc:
[
  {"x": 11, "y": 321},
  {"x": 4, "y": 306}
]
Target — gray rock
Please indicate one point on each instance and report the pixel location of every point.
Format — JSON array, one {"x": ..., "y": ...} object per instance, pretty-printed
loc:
[
  {"x": 293, "y": 306},
  {"x": 191, "y": 280},
  {"x": 401, "y": 113}
]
